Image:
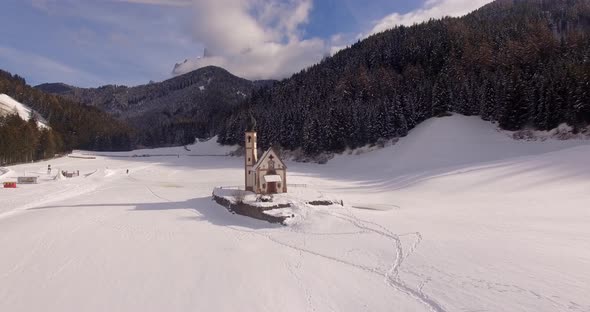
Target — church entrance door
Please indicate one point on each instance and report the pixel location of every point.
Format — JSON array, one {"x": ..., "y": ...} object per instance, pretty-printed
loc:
[{"x": 272, "y": 187}]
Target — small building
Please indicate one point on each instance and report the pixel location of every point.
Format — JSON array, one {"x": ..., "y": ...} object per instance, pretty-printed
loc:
[
  {"x": 267, "y": 175},
  {"x": 27, "y": 180}
]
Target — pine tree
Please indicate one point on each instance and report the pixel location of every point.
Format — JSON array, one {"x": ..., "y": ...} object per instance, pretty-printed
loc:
[
  {"x": 582, "y": 96},
  {"x": 514, "y": 113}
]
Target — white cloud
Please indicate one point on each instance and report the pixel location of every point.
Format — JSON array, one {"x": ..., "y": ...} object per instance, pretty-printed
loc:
[
  {"x": 260, "y": 39},
  {"x": 255, "y": 39},
  {"x": 431, "y": 9},
  {"x": 341, "y": 41}
]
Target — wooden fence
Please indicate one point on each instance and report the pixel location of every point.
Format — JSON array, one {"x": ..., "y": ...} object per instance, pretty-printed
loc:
[
  {"x": 297, "y": 185},
  {"x": 236, "y": 187},
  {"x": 26, "y": 180}
]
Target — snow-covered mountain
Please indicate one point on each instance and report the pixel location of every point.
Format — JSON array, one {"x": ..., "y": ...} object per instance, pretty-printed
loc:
[{"x": 8, "y": 105}]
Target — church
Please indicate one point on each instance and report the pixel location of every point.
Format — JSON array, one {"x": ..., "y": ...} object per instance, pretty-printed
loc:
[{"x": 267, "y": 175}]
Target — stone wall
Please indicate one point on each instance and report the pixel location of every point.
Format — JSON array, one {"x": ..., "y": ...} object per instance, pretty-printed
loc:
[{"x": 251, "y": 211}]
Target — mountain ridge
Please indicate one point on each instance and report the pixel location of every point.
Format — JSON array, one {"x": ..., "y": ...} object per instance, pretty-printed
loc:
[{"x": 173, "y": 111}]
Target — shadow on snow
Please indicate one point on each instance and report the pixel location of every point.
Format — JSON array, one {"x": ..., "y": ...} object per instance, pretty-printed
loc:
[{"x": 205, "y": 209}]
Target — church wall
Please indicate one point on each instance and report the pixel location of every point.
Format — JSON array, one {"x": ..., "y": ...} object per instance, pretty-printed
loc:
[{"x": 260, "y": 183}]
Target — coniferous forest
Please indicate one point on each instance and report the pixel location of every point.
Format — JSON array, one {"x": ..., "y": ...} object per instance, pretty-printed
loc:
[
  {"x": 519, "y": 63},
  {"x": 73, "y": 126}
]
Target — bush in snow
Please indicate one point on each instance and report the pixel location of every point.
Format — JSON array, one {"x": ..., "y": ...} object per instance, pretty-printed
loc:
[{"x": 239, "y": 196}]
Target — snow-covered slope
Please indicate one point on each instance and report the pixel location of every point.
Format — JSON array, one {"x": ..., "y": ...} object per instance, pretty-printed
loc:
[
  {"x": 9, "y": 105},
  {"x": 455, "y": 217},
  {"x": 440, "y": 143}
]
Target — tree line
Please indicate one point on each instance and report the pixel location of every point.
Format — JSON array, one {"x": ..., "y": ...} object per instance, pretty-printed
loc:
[{"x": 23, "y": 141}]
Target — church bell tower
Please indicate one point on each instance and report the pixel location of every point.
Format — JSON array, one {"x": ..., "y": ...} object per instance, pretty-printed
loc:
[{"x": 251, "y": 158}]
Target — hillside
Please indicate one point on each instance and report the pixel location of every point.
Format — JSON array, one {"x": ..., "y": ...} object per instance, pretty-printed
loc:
[
  {"x": 455, "y": 217},
  {"x": 9, "y": 106},
  {"x": 57, "y": 88},
  {"x": 174, "y": 111},
  {"x": 71, "y": 125},
  {"x": 520, "y": 63}
]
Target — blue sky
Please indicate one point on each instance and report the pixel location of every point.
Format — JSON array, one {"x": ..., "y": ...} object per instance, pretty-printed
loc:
[{"x": 96, "y": 42}]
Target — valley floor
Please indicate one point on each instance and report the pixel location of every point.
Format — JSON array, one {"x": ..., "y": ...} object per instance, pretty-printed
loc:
[{"x": 454, "y": 217}]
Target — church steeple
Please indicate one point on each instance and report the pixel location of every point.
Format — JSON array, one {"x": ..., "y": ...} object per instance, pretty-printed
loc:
[
  {"x": 251, "y": 158},
  {"x": 251, "y": 126}
]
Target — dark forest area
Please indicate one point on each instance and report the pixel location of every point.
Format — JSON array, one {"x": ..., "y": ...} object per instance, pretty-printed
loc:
[
  {"x": 72, "y": 126},
  {"x": 519, "y": 63}
]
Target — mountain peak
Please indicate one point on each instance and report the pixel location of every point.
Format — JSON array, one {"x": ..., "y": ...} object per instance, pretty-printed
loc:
[{"x": 55, "y": 88}]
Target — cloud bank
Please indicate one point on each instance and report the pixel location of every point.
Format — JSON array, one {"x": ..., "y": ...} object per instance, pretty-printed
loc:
[
  {"x": 255, "y": 39},
  {"x": 263, "y": 39}
]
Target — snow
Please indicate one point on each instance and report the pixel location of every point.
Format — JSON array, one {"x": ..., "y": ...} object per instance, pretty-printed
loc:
[
  {"x": 9, "y": 105},
  {"x": 562, "y": 132},
  {"x": 59, "y": 176},
  {"x": 272, "y": 178},
  {"x": 456, "y": 216},
  {"x": 233, "y": 194}
]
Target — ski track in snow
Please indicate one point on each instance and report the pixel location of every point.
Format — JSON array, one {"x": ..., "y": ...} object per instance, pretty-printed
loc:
[
  {"x": 80, "y": 186},
  {"x": 465, "y": 281},
  {"x": 156, "y": 195},
  {"x": 68, "y": 192},
  {"x": 392, "y": 275}
]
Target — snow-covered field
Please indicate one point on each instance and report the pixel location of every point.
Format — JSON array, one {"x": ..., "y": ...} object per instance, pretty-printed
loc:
[{"x": 455, "y": 217}]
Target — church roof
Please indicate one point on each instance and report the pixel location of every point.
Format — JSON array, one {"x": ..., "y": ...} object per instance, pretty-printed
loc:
[{"x": 266, "y": 155}]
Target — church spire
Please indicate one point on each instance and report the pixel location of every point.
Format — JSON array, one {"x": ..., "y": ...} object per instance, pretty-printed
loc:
[{"x": 251, "y": 122}]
